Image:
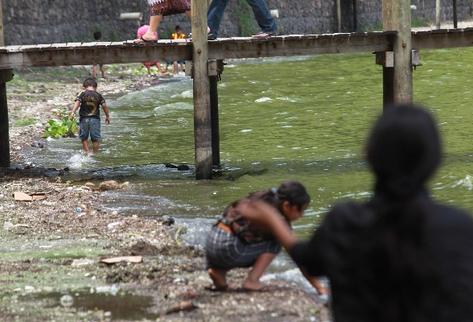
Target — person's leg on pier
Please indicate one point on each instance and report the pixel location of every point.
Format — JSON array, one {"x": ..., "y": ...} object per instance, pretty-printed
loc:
[
  {"x": 214, "y": 15},
  {"x": 263, "y": 16},
  {"x": 152, "y": 32}
]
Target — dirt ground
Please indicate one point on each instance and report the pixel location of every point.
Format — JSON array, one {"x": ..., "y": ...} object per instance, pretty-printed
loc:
[{"x": 50, "y": 263}]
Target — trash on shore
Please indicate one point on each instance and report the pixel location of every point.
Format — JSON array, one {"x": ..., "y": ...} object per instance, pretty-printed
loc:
[
  {"x": 21, "y": 196},
  {"x": 183, "y": 306},
  {"x": 106, "y": 185},
  {"x": 126, "y": 259}
]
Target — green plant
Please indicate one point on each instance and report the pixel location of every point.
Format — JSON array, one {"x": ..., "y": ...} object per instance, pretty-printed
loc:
[
  {"x": 25, "y": 122},
  {"x": 64, "y": 126}
]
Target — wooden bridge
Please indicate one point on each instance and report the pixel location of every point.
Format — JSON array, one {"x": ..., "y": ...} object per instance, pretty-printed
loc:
[{"x": 393, "y": 49}]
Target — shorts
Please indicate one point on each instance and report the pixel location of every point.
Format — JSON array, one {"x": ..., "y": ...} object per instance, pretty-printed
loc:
[
  {"x": 89, "y": 126},
  {"x": 224, "y": 250}
]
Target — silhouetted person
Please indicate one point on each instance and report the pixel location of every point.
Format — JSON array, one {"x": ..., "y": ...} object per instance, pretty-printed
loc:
[{"x": 401, "y": 256}]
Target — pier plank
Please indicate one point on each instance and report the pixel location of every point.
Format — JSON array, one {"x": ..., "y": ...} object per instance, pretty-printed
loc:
[{"x": 225, "y": 48}]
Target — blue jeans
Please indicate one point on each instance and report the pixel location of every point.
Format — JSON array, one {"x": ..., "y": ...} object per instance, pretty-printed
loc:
[{"x": 260, "y": 9}]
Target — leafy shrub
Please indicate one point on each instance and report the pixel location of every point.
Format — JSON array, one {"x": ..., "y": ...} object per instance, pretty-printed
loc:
[{"x": 63, "y": 126}]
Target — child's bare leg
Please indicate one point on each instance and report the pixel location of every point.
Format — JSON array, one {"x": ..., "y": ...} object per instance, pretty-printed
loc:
[
  {"x": 94, "y": 71},
  {"x": 219, "y": 277},
  {"x": 95, "y": 146},
  {"x": 252, "y": 282},
  {"x": 102, "y": 70},
  {"x": 85, "y": 146}
]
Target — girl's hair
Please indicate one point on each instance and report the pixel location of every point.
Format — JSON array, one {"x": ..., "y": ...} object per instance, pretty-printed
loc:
[
  {"x": 403, "y": 150},
  {"x": 292, "y": 191}
]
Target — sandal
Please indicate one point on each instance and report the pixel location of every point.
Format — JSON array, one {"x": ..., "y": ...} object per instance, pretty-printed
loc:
[{"x": 142, "y": 40}]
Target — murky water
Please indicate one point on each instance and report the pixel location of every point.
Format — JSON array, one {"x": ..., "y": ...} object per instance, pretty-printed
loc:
[
  {"x": 110, "y": 303},
  {"x": 301, "y": 118}
]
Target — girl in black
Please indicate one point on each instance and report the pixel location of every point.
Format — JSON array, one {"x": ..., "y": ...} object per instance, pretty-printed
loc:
[{"x": 401, "y": 256}]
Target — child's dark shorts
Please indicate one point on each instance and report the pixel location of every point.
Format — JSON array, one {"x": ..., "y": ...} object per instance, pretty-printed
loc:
[
  {"x": 224, "y": 250},
  {"x": 89, "y": 126}
]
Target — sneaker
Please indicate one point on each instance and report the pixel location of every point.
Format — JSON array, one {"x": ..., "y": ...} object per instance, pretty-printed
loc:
[
  {"x": 263, "y": 35},
  {"x": 211, "y": 36}
]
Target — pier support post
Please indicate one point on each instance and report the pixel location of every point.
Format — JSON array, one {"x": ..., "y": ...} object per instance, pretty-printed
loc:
[
  {"x": 397, "y": 17},
  {"x": 5, "y": 76},
  {"x": 202, "y": 118},
  {"x": 215, "y": 72},
  {"x": 214, "y": 120}
]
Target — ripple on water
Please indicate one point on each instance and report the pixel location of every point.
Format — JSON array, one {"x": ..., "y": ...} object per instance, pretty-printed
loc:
[{"x": 172, "y": 107}]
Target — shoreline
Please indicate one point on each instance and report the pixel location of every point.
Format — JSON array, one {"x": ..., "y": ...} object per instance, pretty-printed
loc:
[{"x": 59, "y": 247}]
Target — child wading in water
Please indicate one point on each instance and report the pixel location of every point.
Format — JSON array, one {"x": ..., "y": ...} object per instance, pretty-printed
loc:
[
  {"x": 89, "y": 102},
  {"x": 235, "y": 241}
]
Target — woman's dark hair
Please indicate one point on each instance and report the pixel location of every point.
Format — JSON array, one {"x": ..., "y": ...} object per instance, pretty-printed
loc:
[
  {"x": 292, "y": 191},
  {"x": 403, "y": 150},
  {"x": 89, "y": 82}
]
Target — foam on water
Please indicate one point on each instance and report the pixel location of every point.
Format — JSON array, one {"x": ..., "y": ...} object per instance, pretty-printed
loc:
[
  {"x": 78, "y": 160},
  {"x": 184, "y": 94},
  {"x": 171, "y": 107},
  {"x": 263, "y": 100},
  {"x": 465, "y": 182}
]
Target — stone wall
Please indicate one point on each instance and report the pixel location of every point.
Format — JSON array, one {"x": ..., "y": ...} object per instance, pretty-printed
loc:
[{"x": 46, "y": 21}]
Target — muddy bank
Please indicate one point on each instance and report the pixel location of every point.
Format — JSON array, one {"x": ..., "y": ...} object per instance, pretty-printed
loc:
[{"x": 50, "y": 267}]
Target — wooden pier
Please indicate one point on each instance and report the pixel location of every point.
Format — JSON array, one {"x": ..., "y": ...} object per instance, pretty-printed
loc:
[{"x": 392, "y": 46}]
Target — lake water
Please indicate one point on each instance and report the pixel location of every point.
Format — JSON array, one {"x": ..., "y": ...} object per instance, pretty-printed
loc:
[{"x": 304, "y": 118}]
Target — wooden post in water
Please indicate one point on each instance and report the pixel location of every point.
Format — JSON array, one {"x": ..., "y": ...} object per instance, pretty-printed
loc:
[
  {"x": 5, "y": 76},
  {"x": 215, "y": 70},
  {"x": 213, "y": 80},
  {"x": 397, "y": 16},
  {"x": 202, "y": 118}
]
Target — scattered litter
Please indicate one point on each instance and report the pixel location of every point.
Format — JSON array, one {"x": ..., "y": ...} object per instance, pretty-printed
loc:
[
  {"x": 21, "y": 196},
  {"x": 114, "y": 225},
  {"x": 112, "y": 185},
  {"x": 82, "y": 262},
  {"x": 66, "y": 300},
  {"x": 126, "y": 259},
  {"x": 7, "y": 225},
  {"x": 183, "y": 306}
]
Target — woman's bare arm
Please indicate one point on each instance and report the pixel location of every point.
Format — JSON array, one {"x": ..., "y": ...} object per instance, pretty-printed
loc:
[{"x": 267, "y": 216}]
